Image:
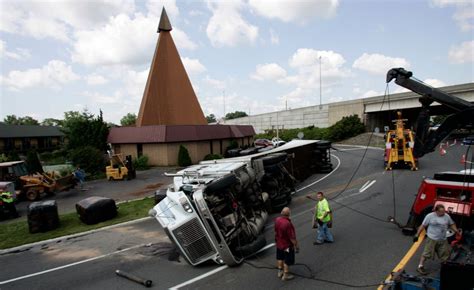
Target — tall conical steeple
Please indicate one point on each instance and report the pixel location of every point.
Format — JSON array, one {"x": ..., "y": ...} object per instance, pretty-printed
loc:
[{"x": 169, "y": 97}]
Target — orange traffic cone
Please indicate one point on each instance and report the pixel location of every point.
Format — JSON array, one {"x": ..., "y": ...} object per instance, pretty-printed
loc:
[{"x": 463, "y": 159}]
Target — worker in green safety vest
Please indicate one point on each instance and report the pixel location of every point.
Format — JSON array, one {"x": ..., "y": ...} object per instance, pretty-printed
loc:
[
  {"x": 7, "y": 205},
  {"x": 322, "y": 220}
]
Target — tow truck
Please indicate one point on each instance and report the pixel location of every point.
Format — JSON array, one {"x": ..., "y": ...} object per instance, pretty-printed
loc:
[
  {"x": 452, "y": 189},
  {"x": 399, "y": 146}
]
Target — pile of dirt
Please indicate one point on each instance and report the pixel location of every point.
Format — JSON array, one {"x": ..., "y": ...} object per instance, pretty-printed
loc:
[{"x": 377, "y": 140}]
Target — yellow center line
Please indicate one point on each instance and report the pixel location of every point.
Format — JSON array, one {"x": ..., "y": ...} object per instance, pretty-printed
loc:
[{"x": 406, "y": 258}]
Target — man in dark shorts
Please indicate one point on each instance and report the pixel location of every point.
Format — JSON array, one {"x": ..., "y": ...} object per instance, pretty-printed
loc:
[{"x": 286, "y": 244}]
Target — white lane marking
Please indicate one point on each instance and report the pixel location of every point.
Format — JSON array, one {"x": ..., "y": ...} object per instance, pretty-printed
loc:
[
  {"x": 324, "y": 177},
  {"x": 69, "y": 265},
  {"x": 212, "y": 272},
  {"x": 366, "y": 186},
  {"x": 351, "y": 149}
]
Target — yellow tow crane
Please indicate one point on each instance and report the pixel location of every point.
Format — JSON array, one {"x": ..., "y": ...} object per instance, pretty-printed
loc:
[{"x": 399, "y": 146}]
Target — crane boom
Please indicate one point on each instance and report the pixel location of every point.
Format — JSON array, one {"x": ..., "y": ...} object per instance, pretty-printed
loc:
[{"x": 426, "y": 141}]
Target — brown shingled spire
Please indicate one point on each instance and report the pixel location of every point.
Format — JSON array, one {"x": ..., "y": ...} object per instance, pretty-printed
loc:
[
  {"x": 169, "y": 97},
  {"x": 165, "y": 24}
]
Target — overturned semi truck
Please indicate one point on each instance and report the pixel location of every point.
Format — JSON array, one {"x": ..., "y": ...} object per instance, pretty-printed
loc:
[{"x": 216, "y": 210}]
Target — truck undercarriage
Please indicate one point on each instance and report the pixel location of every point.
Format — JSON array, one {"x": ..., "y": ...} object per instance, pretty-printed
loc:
[{"x": 217, "y": 210}]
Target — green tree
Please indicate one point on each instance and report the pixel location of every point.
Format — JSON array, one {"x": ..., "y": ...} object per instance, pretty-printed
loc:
[
  {"x": 27, "y": 120},
  {"x": 11, "y": 120},
  {"x": 211, "y": 118},
  {"x": 128, "y": 120},
  {"x": 183, "y": 157},
  {"x": 14, "y": 120},
  {"x": 51, "y": 122},
  {"x": 347, "y": 127},
  {"x": 33, "y": 163},
  {"x": 85, "y": 129},
  {"x": 235, "y": 115},
  {"x": 90, "y": 159}
]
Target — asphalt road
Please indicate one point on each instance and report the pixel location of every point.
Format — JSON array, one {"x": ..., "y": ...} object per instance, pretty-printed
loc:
[{"x": 365, "y": 251}]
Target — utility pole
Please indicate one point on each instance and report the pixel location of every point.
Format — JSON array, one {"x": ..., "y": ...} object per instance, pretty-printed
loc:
[
  {"x": 320, "y": 85},
  {"x": 223, "y": 96}
]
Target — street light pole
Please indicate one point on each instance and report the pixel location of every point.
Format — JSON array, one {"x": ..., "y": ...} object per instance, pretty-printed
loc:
[{"x": 320, "y": 85}]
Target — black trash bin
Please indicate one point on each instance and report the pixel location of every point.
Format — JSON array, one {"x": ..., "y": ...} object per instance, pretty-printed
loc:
[
  {"x": 96, "y": 209},
  {"x": 42, "y": 216}
]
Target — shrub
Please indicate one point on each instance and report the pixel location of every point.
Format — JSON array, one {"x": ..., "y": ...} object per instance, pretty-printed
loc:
[
  {"x": 183, "y": 157},
  {"x": 233, "y": 145},
  {"x": 3, "y": 158},
  {"x": 141, "y": 163},
  {"x": 345, "y": 128},
  {"x": 212, "y": 157},
  {"x": 90, "y": 159},
  {"x": 65, "y": 171}
]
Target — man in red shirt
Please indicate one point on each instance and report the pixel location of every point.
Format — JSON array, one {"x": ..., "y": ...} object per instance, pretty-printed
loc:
[{"x": 286, "y": 244}]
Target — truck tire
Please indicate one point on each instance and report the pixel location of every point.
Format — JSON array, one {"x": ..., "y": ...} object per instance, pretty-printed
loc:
[
  {"x": 251, "y": 248},
  {"x": 32, "y": 194},
  {"x": 222, "y": 183}
]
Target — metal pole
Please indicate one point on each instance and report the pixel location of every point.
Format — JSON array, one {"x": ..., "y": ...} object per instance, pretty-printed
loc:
[
  {"x": 320, "y": 85},
  {"x": 278, "y": 133},
  {"x": 223, "y": 96}
]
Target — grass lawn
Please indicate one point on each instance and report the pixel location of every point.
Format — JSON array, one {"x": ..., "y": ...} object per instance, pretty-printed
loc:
[{"x": 16, "y": 233}]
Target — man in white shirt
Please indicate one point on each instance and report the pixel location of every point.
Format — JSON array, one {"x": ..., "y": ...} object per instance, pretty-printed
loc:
[{"x": 436, "y": 225}]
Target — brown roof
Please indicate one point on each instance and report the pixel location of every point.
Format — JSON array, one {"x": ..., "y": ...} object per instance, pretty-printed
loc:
[
  {"x": 169, "y": 97},
  {"x": 177, "y": 133}
]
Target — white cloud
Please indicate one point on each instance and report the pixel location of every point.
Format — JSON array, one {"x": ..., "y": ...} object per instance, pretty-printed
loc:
[
  {"x": 379, "y": 64},
  {"x": 52, "y": 75},
  {"x": 295, "y": 11},
  {"x": 269, "y": 71},
  {"x": 274, "y": 39},
  {"x": 464, "y": 15},
  {"x": 217, "y": 84},
  {"x": 95, "y": 79},
  {"x": 371, "y": 93},
  {"x": 18, "y": 54},
  {"x": 435, "y": 83},
  {"x": 462, "y": 53},
  {"x": 195, "y": 13},
  {"x": 122, "y": 41},
  {"x": 308, "y": 64},
  {"x": 55, "y": 19},
  {"x": 193, "y": 66},
  {"x": 135, "y": 82},
  {"x": 227, "y": 27},
  {"x": 99, "y": 98}
]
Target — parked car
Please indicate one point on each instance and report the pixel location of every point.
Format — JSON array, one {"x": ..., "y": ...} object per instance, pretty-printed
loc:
[
  {"x": 277, "y": 142},
  {"x": 263, "y": 143},
  {"x": 468, "y": 140}
]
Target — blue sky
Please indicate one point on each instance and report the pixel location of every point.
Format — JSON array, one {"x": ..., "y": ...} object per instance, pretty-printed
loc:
[{"x": 64, "y": 55}]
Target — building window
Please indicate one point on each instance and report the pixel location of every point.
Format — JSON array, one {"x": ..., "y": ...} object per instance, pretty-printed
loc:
[
  {"x": 210, "y": 146},
  {"x": 139, "y": 150}
]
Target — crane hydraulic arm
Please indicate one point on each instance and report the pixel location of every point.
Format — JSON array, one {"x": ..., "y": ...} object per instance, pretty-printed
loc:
[{"x": 426, "y": 140}]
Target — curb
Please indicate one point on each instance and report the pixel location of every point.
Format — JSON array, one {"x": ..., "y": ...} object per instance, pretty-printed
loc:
[{"x": 54, "y": 240}]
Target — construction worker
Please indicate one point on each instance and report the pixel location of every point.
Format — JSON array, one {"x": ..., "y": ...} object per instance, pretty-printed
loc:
[
  {"x": 436, "y": 225},
  {"x": 286, "y": 244},
  {"x": 322, "y": 220},
  {"x": 80, "y": 175},
  {"x": 8, "y": 205}
]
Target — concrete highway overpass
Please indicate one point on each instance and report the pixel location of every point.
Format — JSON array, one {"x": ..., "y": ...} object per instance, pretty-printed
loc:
[{"x": 374, "y": 111}]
